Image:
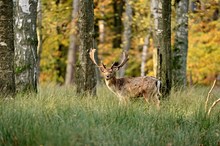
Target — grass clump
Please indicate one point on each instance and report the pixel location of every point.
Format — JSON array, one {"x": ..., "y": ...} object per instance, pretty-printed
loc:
[{"x": 57, "y": 116}]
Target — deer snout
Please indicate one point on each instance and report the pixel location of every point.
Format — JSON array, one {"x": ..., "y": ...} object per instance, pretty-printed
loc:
[{"x": 108, "y": 77}]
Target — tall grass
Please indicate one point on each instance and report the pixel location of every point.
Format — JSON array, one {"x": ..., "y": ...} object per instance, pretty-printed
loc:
[{"x": 58, "y": 117}]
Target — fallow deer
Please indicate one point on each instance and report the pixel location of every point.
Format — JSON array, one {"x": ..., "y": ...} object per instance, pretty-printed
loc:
[{"x": 129, "y": 87}]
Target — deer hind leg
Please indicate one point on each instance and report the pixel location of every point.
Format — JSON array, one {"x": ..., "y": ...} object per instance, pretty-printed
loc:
[
  {"x": 146, "y": 97},
  {"x": 157, "y": 94},
  {"x": 157, "y": 100}
]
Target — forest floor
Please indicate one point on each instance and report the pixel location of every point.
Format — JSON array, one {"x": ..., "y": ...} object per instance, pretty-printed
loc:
[{"x": 56, "y": 116}]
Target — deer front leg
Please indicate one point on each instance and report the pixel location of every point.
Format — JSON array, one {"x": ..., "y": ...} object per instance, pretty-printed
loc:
[{"x": 123, "y": 100}]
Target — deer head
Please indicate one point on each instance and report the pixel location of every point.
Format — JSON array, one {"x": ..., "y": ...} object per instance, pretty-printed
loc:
[{"x": 109, "y": 73}]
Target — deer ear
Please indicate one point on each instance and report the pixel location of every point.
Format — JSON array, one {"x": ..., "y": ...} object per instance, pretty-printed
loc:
[
  {"x": 115, "y": 68},
  {"x": 102, "y": 69}
]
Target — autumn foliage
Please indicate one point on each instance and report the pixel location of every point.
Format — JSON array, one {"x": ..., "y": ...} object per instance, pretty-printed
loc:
[{"x": 203, "y": 62}]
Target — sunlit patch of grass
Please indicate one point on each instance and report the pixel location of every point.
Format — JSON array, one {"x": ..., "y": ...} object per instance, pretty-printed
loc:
[{"x": 58, "y": 116}]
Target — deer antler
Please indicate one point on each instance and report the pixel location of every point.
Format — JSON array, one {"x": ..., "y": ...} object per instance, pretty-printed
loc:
[
  {"x": 124, "y": 60},
  {"x": 92, "y": 56}
]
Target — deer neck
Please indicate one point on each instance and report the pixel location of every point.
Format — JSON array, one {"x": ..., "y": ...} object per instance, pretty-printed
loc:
[
  {"x": 111, "y": 84},
  {"x": 115, "y": 84}
]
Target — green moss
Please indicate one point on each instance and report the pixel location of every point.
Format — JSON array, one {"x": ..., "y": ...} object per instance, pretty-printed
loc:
[{"x": 20, "y": 69}]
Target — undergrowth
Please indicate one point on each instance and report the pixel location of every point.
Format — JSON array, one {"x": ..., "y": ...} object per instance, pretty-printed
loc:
[{"x": 56, "y": 116}]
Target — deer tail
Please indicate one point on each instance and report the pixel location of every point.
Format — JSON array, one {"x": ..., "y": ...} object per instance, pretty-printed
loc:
[{"x": 159, "y": 84}]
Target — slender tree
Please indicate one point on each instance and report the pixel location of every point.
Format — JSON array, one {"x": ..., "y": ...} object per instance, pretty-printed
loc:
[
  {"x": 181, "y": 43},
  {"x": 39, "y": 36},
  {"x": 100, "y": 30},
  {"x": 155, "y": 13},
  {"x": 71, "y": 58},
  {"x": 127, "y": 31},
  {"x": 144, "y": 53},
  {"x": 101, "y": 26},
  {"x": 162, "y": 42},
  {"x": 86, "y": 77},
  {"x": 118, "y": 11},
  {"x": 60, "y": 47},
  {"x": 25, "y": 41},
  {"x": 7, "y": 80}
]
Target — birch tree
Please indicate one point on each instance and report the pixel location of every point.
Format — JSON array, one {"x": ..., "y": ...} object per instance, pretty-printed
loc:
[
  {"x": 39, "y": 36},
  {"x": 25, "y": 41},
  {"x": 101, "y": 24},
  {"x": 86, "y": 76},
  {"x": 161, "y": 10},
  {"x": 7, "y": 81},
  {"x": 144, "y": 53},
  {"x": 127, "y": 31},
  {"x": 181, "y": 43},
  {"x": 71, "y": 58}
]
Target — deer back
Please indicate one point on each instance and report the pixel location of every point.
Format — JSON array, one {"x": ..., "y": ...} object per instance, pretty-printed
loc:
[{"x": 134, "y": 86}]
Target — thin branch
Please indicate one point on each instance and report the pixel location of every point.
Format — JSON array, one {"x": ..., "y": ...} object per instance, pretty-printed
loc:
[
  {"x": 213, "y": 105},
  {"x": 208, "y": 96}
]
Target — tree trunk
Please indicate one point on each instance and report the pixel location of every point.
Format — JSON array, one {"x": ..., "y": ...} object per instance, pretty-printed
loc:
[
  {"x": 157, "y": 17},
  {"x": 25, "y": 40},
  {"x": 181, "y": 43},
  {"x": 144, "y": 53},
  {"x": 101, "y": 32},
  {"x": 127, "y": 31},
  {"x": 118, "y": 10},
  {"x": 101, "y": 25},
  {"x": 39, "y": 36},
  {"x": 162, "y": 41},
  {"x": 60, "y": 49},
  {"x": 7, "y": 80},
  {"x": 86, "y": 77},
  {"x": 71, "y": 58}
]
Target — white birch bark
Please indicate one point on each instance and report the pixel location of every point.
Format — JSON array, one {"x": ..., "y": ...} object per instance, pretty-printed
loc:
[
  {"x": 39, "y": 36},
  {"x": 101, "y": 24},
  {"x": 181, "y": 43},
  {"x": 25, "y": 41},
  {"x": 161, "y": 10},
  {"x": 101, "y": 31},
  {"x": 144, "y": 54},
  {"x": 156, "y": 12}
]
